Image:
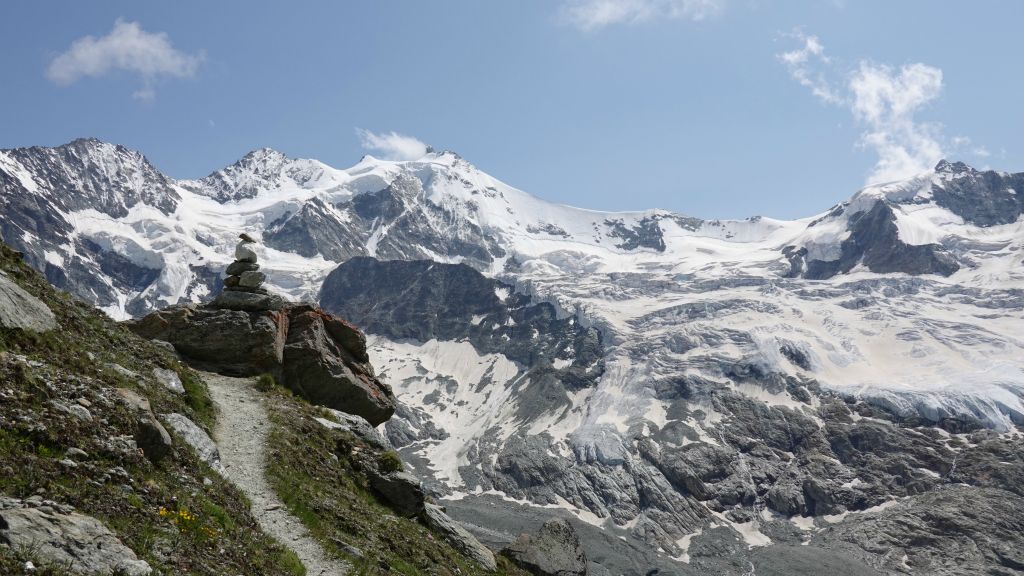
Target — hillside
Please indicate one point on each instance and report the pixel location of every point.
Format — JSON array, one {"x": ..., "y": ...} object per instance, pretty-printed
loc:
[{"x": 78, "y": 455}]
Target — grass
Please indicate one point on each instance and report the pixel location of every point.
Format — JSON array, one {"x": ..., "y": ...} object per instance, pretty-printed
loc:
[{"x": 318, "y": 473}]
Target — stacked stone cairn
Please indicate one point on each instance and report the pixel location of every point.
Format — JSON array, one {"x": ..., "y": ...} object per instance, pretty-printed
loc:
[
  {"x": 243, "y": 288},
  {"x": 244, "y": 273}
]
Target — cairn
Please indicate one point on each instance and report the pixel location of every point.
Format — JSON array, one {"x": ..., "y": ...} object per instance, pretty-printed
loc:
[
  {"x": 244, "y": 273},
  {"x": 243, "y": 288}
]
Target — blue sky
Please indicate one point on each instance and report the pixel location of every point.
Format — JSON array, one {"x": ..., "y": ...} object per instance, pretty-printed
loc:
[{"x": 715, "y": 108}]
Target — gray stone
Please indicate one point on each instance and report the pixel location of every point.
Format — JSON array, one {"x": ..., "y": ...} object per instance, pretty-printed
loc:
[
  {"x": 19, "y": 309},
  {"x": 237, "y": 267},
  {"x": 356, "y": 425},
  {"x": 401, "y": 490},
  {"x": 80, "y": 412},
  {"x": 248, "y": 301},
  {"x": 459, "y": 537},
  {"x": 195, "y": 437},
  {"x": 251, "y": 279},
  {"x": 554, "y": 551},
  {"x": 150, "y": 435},
  {"x": 245, "y": 253},
  {"x": 62, "y": 537},
  {"x": 169, "y": 379}
]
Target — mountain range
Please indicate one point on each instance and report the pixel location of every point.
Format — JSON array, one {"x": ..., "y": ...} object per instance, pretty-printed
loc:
[{"x": 697, "y": 395}]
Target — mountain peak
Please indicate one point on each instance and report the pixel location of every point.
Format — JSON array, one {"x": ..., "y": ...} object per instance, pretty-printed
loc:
[{"x": 946, "y": 167}]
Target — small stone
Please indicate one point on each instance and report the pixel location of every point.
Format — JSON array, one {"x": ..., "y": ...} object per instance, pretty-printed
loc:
[
  {"x": 68, "y": 463},
  {"x": 237, "y": 267},
  {"x": 231, "y": 281},
  {"x": 76, "y": 453},
  {"x": 251, "y": 279},
  {"x": 245, "y": 253},
  {"x": 84, "y": 402}
]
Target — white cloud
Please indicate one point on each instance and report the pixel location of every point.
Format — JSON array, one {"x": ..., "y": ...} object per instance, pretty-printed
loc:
[
  {"x": 885, "y": 101},
  {"x": 596, "y": 14},
  {"x": 392, "y": 145},
  {"x": 127, "y": 48}
]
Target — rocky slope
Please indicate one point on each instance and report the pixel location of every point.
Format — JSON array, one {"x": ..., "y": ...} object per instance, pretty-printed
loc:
[{"x": 718, "y": 393}]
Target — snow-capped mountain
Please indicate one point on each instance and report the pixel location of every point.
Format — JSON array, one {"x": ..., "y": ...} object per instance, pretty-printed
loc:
[{"x": 672, "y": 381}]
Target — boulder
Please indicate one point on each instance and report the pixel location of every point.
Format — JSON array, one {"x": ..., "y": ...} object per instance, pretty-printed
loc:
[
  {"x": 169, "y": 379},
  {"x": 150, "y": 435},
  {"x": 232, "y": 342},
  {"x": 57, "y": 534},
  {"x": 195, "y": 437},
  {"x": 459, "y": 537},
  {"x": 402, "y": 490},
  {"x": 319, "y": 357},
  {"x": 19, "y": 309},
  {"x": 236, "y": 268},
  {"x": 554, "y": 551},
  {"x": 325, "y": 362}
]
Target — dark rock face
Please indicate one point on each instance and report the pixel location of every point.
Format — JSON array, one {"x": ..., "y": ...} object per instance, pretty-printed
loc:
[
  {"x": 874, "y": 241},
  {"x": 417, "y": 228},
  {"x": 325, "y": 361},
  {"x": 646, "y": 234},
  {"x": 554, "y": 551},
  {"x": 318, "y": 356},
  {"x": 981, "y": 198},
  {"x": 422, "y": 300},
  {"x": 315, "y": 229}
]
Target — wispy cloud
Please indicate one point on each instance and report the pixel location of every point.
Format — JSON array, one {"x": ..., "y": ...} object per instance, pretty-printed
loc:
[
  {"x": 392, "y": 145},
  {"x": 126, "y": 48},
  {"x": 885, "y": 100},
  {"x": 596, "y": 14}
]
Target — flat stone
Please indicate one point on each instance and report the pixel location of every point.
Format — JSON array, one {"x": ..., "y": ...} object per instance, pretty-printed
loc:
[
  {"x": 247, "y": 301},
  {"x": 252, "y": 279},
  {"x": 237, "y": 267}
]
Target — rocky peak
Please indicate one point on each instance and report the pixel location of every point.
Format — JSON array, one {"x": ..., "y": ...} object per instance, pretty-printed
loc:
[{"x": 946, "y": 167}]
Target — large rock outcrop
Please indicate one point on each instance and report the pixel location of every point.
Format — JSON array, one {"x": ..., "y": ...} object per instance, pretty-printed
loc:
[{"x": 316, "y": 355}]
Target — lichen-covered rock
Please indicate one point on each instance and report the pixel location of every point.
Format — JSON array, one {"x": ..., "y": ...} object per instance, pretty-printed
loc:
[
  {"x": 57, "y": 534},
  {"x": 554, "y": 551}
]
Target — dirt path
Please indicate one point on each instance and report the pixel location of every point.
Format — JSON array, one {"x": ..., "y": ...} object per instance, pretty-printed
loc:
[{"x": 241, "y": 436}]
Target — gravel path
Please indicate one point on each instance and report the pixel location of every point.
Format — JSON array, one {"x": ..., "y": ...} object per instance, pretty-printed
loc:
[{"x": 241, "y": 436}]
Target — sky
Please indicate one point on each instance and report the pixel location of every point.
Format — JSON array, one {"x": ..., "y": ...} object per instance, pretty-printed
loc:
[{"x": 712, "y": 108}]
